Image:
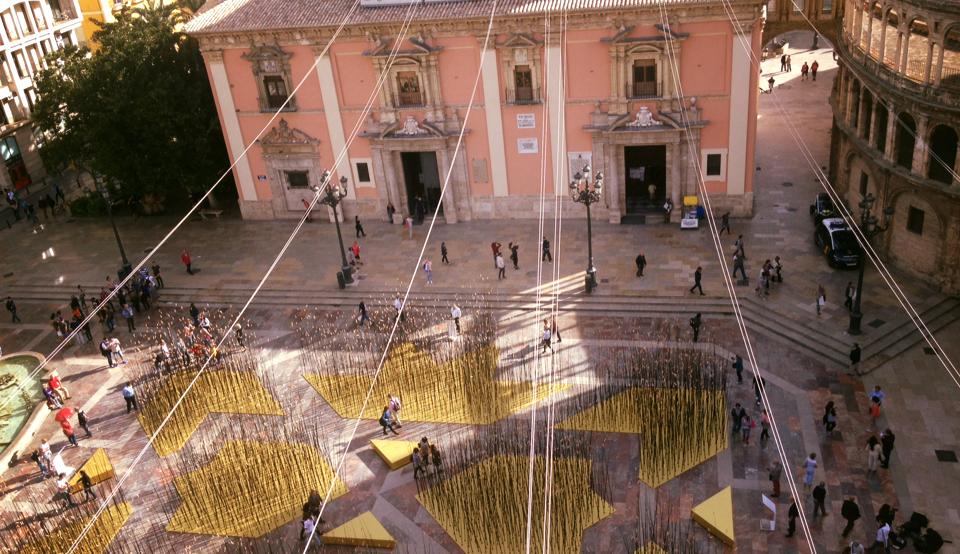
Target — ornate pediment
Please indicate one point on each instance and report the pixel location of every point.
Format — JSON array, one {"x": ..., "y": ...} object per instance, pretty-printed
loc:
[
  {"x": 411, "y": 128},
  {"x": 520, "y": 40},
  {"x": 384, "y": 46},
  {"x": 622, "y": 34},
  {"x": 283, "y": 135},
  {"x": 266, "y": 52}
]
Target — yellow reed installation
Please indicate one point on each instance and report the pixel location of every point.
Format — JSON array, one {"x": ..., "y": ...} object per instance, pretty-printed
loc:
[
  {"x": 679, "y": 428},
  {"x": 650, "y": 548},
  {"x": 250, "y": 488},
  {"x": 216, "y": 391},
  {"x": 484, "y": 507},
  {"x": 97, "y": 467},
  {"x": 97, "y": 539},
  {"x": 461, "y": 390}
]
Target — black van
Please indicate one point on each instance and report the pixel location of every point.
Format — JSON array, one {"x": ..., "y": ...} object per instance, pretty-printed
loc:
[{"x": 838, "y": 243}]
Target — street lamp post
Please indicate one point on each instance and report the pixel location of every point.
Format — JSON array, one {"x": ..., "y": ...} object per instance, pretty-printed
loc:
[
  {"x": 332, "y": 196},
  {"x": 586, "y": 191},
  {"x": 105, "y": 194},
  {"x": 870, "y": 227}
]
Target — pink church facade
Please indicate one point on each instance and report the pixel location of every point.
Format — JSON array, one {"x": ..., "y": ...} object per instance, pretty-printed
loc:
[{"x": 562, "y": 83}]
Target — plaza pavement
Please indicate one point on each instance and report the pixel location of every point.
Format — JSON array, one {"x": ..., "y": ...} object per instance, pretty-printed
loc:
[{"x": 39, "y": 269}]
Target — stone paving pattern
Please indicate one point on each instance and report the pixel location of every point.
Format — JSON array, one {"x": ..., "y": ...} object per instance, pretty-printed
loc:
[{"x": 232, "y": 255}]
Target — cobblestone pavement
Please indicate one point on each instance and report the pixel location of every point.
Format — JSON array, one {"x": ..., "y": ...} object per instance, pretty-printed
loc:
[{"x": 232, "y": 255}]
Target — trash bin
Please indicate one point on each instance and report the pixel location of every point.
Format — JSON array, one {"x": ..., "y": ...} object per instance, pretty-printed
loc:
[{"x": 341, "y": 282}]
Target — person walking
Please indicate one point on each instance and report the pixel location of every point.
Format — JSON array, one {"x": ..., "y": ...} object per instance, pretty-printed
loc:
[
  {"x": 455, "y": 313},
  {"x": 738, "y": 367},
  {"x": 393, "y": 403},
  {"x": 738, "y": 265},
  {"x": 501, "y": 267},
  {"x": 809, "y": 468},
  {"x": 770, "y": 82},
  {"x": 87, "y": 485},
  {"x": 848, "y": 296},
  {"x": 804, "y": 69},
  {"x": 792, "y": 514},
  {"x": 428, "y": 270},
  {"x": 746, "y": 426},
  {"x": 38, "y": 458},
  {"x": 850, "y": 512},
  {"x": 882, "y": 541},
  {"x": 778, "y": 268},
  {"x": 813, "y": 70},
  {"x": 443, "y": 253},
  {"x": 69, "y": 433},
  {"x": 789, "y": 64},
  {"x": 386, "y": 421},
  {"x": 130, "y": 397},
  {"x": 417, "y": 461},
  {"x": 545, "y": 251},
  {"x": 821, "y": 298},
  {"x": 855, "y": 354},
  {"x": 819, "y": 497},
  {"x": 187, "y": 261},
  {"x": 116, "y": 351},
  {"x": 738, "y": 247},
  {"x": 641, "y": 262},
  {"x": 355, "y": 250},
  {"x": 435, "y": 459},
  {"x": 83, "y": 422},
  {"x": 667, "y": 210},
  {"x": 874, "y": 411},
  {"x": 63, "y": 490},
  {"x": 724, "y": 224},
  {"x": 887, "y": 439},
  {"x": 364, "y": 317},
  {"x": 12, "y": 308},
  {"x": 736, "y": 417},
  {"x": 495, "y": 248},
  {"x": 695, "y": 323},
  {"x": 237, "y": 333},
  {"x": 195, "y": 314},
  {"x": 398, "y": 305},
  {"x": 514, "y": 255},
  {"x": 408, "y": 223},
  {"x": 783, "y": 62},
  {"x": 390, "y": 211},
  {"x": 359, "y": 227},
  {"x": 127, "y": 313},
  {"x": 545, "y": 341},
  {"x": 775, "y": 472},
  {"x": 873, "y": 455},
  {"x": 156, "y": 275},
  {"x": 829, "y": 419},
  {"x": 697, "y": 277},
  {"x": 764, "y": 428}
]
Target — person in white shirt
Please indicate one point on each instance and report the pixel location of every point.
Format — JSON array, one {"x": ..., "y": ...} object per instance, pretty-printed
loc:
[
  {"x": 455, "y": 314},
  {"x": 882, "y": 543},
  {"x": 63, "y": 489},
  {"x": 398, "y": 305},
  {"x": 546, "y": 340}
]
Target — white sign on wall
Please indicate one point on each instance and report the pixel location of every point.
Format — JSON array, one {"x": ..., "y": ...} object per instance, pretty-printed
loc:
[
  {"x": 527, "y": 146},
  {"x": 526, "y": 121}
]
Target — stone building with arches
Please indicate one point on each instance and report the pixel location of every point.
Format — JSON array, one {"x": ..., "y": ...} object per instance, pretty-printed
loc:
[{"x": 896, "y": 106}]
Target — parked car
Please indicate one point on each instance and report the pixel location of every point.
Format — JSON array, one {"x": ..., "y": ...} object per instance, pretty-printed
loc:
[
  {"x": 838, "y": 243},
  {"x": 821, "y": 208}
]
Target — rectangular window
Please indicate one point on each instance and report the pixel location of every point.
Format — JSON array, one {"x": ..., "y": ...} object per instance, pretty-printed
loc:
[
  {"x": 4, "y": 118},
  {"x": 915, "y": 220},
  {"x": 408, "y": 88},
  {"x": 363, "y": 172},
  {"x": 9, "y": 26},
  {"x": 864, "y": 180},
  {"x": 25, "y": 24},
  {"x": 31, "y": 97},
  {"x": 9, "y": 149},
  {"x": 827, "y": 6},
  {"x": 38, "y": 15},
  {"x": 523, "y": 83},
  {"x": 714, "y": 165},
  {"x": 276, "y": 91},
  {"x": 644, "y": 79},
  {"x": 18, "y": 62},
  {"x": 298, "y": 179}
]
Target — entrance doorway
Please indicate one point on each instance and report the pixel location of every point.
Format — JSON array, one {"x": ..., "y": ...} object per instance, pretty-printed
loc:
[
  {"x": 645, "y": 178},
  {"x": 422, "y": 178}
]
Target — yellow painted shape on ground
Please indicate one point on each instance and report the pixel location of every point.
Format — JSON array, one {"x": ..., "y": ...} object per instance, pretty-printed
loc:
[
  {"x": 651, "y": 548},
  {"x": 715, "y": 514},
  {"x": 679, "y": 428},
  {"x": 363, "y": 530},
  {"x": 459, "y": 391},
  {"x": 395, "y": 453},
  {"x": 484, "y": 507},
  {"x": 250, "y": 488},
  {"x": 98, "y": 468},
  {"x": 97, "y": 539},
  {"x": 216, "y": 391}
]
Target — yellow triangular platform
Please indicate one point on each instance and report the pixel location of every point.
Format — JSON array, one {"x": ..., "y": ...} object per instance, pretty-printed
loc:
[
  {"x": 98, "y": 467},
  {"x": 715, "y": 514},
  {"x": 651, "y": 548},
  {"x": 363, "y": 530},
  {"x": 395, "y": 453}
]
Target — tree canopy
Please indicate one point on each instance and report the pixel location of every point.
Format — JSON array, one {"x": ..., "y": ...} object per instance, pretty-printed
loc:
[{"x": 139, "y": 112}]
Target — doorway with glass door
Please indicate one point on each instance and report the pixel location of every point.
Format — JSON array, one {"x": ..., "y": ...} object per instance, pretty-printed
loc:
[{"x": 422, "y": 178}]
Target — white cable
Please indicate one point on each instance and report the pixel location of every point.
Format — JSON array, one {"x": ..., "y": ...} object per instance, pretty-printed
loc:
[
  {"x": 66, "y": 340},
  {"x": 413, "y": 276},
  {"x": 728, "y": 283},
  {"x": 243, "y": 310}
]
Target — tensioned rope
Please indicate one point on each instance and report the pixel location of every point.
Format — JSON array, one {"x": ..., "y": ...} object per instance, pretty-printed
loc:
[
  {"x": 413, "y": 276},
  {"x": 66, "y": 340},
  {"x": 325, "y": 182},
  {"x": 728, "y": 282}
]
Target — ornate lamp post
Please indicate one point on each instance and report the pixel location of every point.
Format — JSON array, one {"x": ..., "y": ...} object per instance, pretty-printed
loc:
[
  {"x": 870, "y": 227},
  {"x": 586, "y": 190},
  {"x": 332, "y": 196},
  {"x": 105, "y": 194}
]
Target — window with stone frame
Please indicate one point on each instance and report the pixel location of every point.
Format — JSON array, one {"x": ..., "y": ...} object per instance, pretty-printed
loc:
[
  {"x": 271, "y": 69},
  {"x": 408, "y": 89},
  {"x": 520, "y": 63},
  {"x": 297, "y": 179},
  {"x": 644, "y": 79},
  {"x": 523, "y": 84}
]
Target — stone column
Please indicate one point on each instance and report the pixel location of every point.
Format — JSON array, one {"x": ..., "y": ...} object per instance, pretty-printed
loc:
[
  {"x": 450, "y": 195},
  {"x": 848, "y": 101},
  {"x": 393, "y": 187},
  {"x": 857, "y": 24},
  {"x": 869, "y": 33},
  {"x": 920, "y": 157},
  {"x": 604, "y": 153},
  {"x": 904, "y": 50},
  {"x": 461, "y": 179},
  {"x": 872, "y": 132},
  {"x": 674, "y": 185},
  {"x": 883, "y": 37},
  {"x": 939, "y": 74},
  {"x": 928, "y": 62},
  {"x": 888, "y": 153},
  {"x": 862, "y": 116}
]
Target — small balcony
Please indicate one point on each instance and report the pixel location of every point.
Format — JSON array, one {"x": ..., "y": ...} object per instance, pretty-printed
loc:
[{"x": 644, "y": 89}]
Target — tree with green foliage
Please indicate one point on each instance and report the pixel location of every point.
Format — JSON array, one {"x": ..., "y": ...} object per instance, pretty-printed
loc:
[{"x": 139, "y": 113}]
